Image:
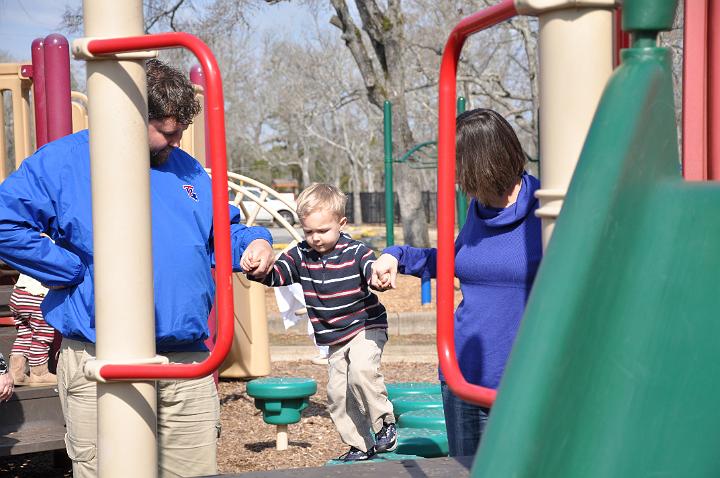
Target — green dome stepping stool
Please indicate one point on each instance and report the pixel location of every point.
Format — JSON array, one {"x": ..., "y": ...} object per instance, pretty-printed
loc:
[
  {"x": 401, "y": 389},
  {"x": 422, "y": 442},
  {"x": 418, "y": 401},
  {"x": 281, "y": 400},
  {"x": 430, "y": 418}
]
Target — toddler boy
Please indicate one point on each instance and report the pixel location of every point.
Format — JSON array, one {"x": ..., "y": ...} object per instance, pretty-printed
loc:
[{"x": 334, "y": 271}]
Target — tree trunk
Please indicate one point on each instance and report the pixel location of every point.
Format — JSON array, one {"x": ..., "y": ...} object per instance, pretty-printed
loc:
[
  {"x": 356, "y": 187},
  {"x": 408, "y": 183},
  {"x": 385, "y": 31}
]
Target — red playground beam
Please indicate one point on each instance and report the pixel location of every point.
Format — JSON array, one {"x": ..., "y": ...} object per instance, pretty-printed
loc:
[{"x": 701, "y": 91}]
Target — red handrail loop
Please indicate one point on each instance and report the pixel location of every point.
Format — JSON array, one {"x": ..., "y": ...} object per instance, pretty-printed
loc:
[
  {"x": 221, "y": 218},
  {"x": 446, "y": 200}
]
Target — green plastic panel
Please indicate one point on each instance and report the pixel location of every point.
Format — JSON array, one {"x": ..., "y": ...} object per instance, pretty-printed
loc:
[
  {"x": 411, "y": 388},
  {"x": 613, "y": 371},
  {"x": 418, "y": 401},
  {"x": 422, "y": 442},
  {"x": 432, "y": 418}
]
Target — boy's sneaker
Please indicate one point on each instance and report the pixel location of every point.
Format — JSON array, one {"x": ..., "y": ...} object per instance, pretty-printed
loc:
[
  {"x": 355, "y": 454},
  {"x": 386, "y": 438}
]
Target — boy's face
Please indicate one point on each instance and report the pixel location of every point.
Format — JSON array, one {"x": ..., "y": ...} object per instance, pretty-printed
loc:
[{"x": 322, "y": 229}]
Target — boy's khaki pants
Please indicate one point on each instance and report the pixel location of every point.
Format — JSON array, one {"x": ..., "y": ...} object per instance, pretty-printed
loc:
[
  {"x": 357, "y": 397},
  {"x": 188, "y": 421}
]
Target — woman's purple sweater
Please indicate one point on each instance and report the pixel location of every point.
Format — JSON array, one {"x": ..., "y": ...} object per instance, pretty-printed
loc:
[{"x": 497, "y": 254}]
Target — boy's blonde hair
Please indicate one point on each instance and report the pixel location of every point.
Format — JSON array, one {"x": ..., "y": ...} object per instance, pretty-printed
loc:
[{"x": 321, "y": 196}]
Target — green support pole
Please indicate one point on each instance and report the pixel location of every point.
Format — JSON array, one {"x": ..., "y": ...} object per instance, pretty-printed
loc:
[
  {"x": 389, "y": 205},
  {"x": 460, "y": 196}
]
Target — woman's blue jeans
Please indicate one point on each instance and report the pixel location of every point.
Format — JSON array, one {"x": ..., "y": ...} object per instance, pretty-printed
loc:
[{"x": 465, "y": 423}]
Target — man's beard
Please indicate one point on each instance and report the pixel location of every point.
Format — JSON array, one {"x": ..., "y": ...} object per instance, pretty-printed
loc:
[{"x": 159, "y": 157}]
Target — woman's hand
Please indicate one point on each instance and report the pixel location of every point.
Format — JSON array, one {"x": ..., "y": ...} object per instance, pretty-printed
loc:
[{"x": 384, "y": 273}]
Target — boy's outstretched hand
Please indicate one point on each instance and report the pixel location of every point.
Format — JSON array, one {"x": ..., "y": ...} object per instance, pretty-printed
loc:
[
  {"x": 258, "y": 258},
  {"x": 384, "y": 272}
]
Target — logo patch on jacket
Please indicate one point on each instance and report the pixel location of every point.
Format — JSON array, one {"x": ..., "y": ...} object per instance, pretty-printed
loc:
[{"x": 190, "y": 190}]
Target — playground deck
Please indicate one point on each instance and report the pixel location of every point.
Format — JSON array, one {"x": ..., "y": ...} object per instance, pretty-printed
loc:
[{"x": 457, "y": 467}]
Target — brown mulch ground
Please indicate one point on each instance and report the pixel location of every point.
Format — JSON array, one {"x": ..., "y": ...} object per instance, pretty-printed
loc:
[{"x": 247, "y": 443}]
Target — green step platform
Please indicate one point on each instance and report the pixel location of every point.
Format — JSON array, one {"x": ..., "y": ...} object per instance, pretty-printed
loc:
[
  {"x": 420, "y": 401},
  {"x": 281, "y": 400},
  {"x": 430, "y": 418},
  {"x": 401, "y": 389},
  {"x": 379, "y": 458},
  {"x": 422, "y": 442}
]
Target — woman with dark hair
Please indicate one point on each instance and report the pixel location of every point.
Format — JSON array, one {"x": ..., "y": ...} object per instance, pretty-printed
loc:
[{"x": 497, "y": 254}]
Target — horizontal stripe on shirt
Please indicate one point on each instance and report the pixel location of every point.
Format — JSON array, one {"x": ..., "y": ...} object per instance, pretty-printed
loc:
[{"x": 335, "y": 285}]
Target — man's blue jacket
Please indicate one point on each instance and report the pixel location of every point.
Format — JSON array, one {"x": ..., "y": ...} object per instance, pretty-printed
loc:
[{"x": 50, "y": 193}]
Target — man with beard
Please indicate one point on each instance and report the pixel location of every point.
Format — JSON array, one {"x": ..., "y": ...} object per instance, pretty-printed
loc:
[{"x": 46, "y": 233}]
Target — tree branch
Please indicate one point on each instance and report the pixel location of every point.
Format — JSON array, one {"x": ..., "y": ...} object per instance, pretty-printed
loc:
[{"x": 352, "y": 36}]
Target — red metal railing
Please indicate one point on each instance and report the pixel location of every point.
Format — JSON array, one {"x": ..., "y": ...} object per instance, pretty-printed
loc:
[
  {"x": 446, "y": 200},
  {"x": 57, "y": 86},
  {"x": 621, "y": 38},
  {"x": 50, "y": 72},
  {"x": 221, "y": 218},
  {"x": 701, "y": 90},
  {"x": 38, "y": 77},
  {"x": 713, "y": 79}
]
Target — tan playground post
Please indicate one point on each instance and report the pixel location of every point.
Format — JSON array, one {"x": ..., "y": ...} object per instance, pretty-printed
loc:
[
  {"x": 19, "y": 85},
  {"x": 575, "y": 44},
  {"x": 193, "y": 140},
  {"x": 124, "y": 308},
  {"x": 79, "y": 103},
  {"x": 250, "y": 353}
]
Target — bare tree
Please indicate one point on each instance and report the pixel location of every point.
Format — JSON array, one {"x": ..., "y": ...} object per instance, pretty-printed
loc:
[
  {"x": 382, "y": 68},
  {"x": 312, "y": 106}
]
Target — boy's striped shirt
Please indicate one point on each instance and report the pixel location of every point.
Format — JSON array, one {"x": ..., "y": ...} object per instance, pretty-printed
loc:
[{"x": 335, "y": 285}]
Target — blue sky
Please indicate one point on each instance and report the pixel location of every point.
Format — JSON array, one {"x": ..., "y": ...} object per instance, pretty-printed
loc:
[{"x": 21, "y": 21}]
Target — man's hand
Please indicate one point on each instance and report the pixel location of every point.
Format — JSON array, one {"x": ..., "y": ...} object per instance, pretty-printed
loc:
[
  {"x": 6, "y": 387},
  {"x": 258, "y": 258},
  {"x": 384, "y": 273}
]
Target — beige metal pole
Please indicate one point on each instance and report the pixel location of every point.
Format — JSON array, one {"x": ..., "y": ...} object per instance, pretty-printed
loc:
[
  {"x": 124, "y": 310},
  {"x": 193, "y": 140},
  {"x": 13, "y": 81},
  {"x": 4, "y": 159},
  {"x": 281, "y": 442},
  {"x": 575, "y": 63},
  {"x": 79, "y": 111},
  {"x": 21, "y": 120}
]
